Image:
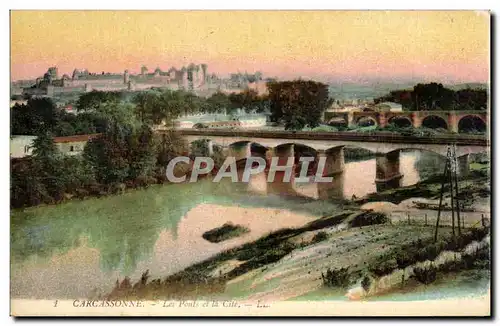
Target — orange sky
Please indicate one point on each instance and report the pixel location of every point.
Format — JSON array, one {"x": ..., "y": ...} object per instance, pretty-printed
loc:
[{"x": 447, "y": 46}]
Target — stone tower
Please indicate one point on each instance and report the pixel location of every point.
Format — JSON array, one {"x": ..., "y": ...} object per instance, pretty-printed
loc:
[
  {"x": 53, "y": 73},
  {"x": 184, "y": 77},
  {"x": 126, "y": 77},
  {"x": 204, "y": 72}
]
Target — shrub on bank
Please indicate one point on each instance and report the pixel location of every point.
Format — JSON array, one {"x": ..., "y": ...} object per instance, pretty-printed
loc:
[
  {"x": 225, "y": 232},
  {"x": 422, "y": 250},
  {"x": 369, "y": 218},
  {"x": 320, "y": 236},
  {"x": 336, "y": 277},
  {"x": 425, "y": 275}
]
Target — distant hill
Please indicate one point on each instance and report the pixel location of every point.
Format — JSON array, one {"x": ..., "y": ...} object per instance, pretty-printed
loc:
[
  {"x": 457, "y": 87},
  {"x": 370, "y": 91}
]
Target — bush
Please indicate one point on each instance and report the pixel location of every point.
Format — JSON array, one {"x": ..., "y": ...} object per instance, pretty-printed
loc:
[
  {"x": 225, "y": 232},
  {"x": 384, "y": 267},
  {"x": 320, "y": 236},
  {"x": 336, "y": 277},
  {"x": 425, "y": 275},
  {"x": 365, "y": 283},
  {"x": 369, "y": 218}
]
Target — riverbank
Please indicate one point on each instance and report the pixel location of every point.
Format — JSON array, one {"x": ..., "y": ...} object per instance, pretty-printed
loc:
[{"x": 292, "y": 262}]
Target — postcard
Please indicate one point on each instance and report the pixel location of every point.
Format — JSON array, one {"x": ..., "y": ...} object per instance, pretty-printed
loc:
[{"x": 250, "y": 163}]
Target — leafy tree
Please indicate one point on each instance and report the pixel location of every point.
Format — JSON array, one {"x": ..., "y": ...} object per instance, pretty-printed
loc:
[
  {"x": 249, "y": 100},
  {"x": 142, "y": 159},
  {"x": 218, "y": 103},
  {"x": 91, "y": 101},
  {"x": 145, "y": 105},
  {"x": 26, "y": 187},
  {"x": 118, "y": 114},
  {"x": 472, "y": 99},
  {"x": 299, "y": 103},
  {"x": 169, "y": 145},
  {"x": 107, "y": 155},
  {"x": 47, "y": 165},
  {"x": 64, "y": 128},
  {"x": 434, "y": 96},
  {"x": 38, "y": 115},
  {"x": 76, "y": 173}
]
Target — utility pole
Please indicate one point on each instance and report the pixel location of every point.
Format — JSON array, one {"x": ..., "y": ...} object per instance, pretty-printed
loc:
[
  {"x": 455, "y": 178},
  {"x": 450, "y": 177}
]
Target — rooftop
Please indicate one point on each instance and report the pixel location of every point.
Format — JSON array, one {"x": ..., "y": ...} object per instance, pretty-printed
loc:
[{"x": 76, "y": 138}]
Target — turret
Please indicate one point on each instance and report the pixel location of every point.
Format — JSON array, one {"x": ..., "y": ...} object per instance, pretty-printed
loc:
[
  {"x": 126, "y": 77},
  {"x": 204, "y": 71}
]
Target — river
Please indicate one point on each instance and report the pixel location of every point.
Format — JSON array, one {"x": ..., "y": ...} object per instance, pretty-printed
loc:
[{"x": 80, "y": 248}]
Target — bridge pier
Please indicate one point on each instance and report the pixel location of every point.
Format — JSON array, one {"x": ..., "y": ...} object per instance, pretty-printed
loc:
[
  {"x": 416, "y": 121},
  {"x": 388, "y": 175},
  {"x": 283, "y": 154},
  {"x": 452, "y": 122},
  {"x": 334, "y": 160},
  {"x": 334, "y": 189},
  {"x": 350, "y": 120},
  {"x": 278, "y": 180},
  {"x": 239, "y": 151},
  {"x": 382, "y": 120},
  {"x": 210, "y": 147}
]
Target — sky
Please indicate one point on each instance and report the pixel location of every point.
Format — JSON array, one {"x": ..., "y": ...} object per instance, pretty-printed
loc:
[{"x": 350, "y": 46}]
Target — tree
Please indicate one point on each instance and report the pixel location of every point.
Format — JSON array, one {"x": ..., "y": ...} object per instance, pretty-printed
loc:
[
  {"x": 107, "y": 155},
  {"x": 299, "y": 103},
  {"x": 434, "y": 96},
  {"x": 145, "y": 105},
  {"x": 26, "y": 187},
  {"x": 170, "y": 145},
  {"x": 37, "y": 116},
  {"x": 218, "y": 103},
  {"x": 118, "y": 114},
  {"x": 64, "y": 128},
  {"x": 249, "y": 100},
  {"x": 91, "y": 101},
  {"x": 47, "y": 165},
  {"x": 142, "y": 158}
]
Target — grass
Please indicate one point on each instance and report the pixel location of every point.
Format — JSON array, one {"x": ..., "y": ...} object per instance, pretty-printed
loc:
[
  {"x": 225, "y": 232},
  {"x": 336, "y": 277},
  {"x": 369, "y": 218},
  {"x": 320, "y": 236},
  {"x": 421, "y": 250}
]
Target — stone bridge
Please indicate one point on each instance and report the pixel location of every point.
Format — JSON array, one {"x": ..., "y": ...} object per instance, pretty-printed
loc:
[
  {"x": 242, "y": 144},
  {"x": 453, "y": 121}
]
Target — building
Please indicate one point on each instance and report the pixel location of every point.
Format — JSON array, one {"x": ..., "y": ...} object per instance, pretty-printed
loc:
[
  {"x": 194, "y": 77},
  {"x": 73, "y": 145},
  {"x": 22, "y": 145},
  {"x": 218, "y": 125},
  {"x": 239, "y": 119},
  {"x": 388, "y": 106}
]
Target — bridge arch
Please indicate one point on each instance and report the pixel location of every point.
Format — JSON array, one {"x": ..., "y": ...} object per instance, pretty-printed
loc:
[
  {"x": 471, "y": 123},
  {"x": 434, "y": 122},
  {"x": 338, "y": 121},
  {"x": 366, "y": 121},
  {"x": 417, "y": 149},
  {"x": 199, "y": 125},
  {"x": 400, "y": 121}
]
